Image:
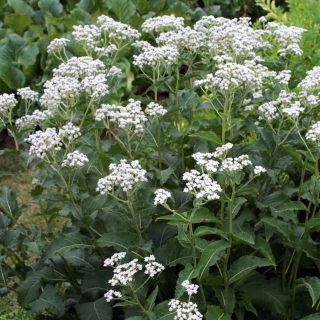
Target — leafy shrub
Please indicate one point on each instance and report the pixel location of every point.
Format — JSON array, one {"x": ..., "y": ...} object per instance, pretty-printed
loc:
[{"x": 194, "y": 194}]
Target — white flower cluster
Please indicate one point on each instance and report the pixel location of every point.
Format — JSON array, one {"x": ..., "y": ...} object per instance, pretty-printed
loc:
[
  {"x": 283, "y": 77},
  {"x": 117, "y": 30},
  {"x": 203, "y": 160},
  {"x": 190, "y": 288},
  {"x": 43, "y": 141},
  {"x": 153, "y": 56},
  {"x": 287, "y": 38},
  {"x": 161, "y": 196},
  {"x": 7, "y": 102},
  {"x": 155, "y": 109},
  {"x": 231, "y": 76},
  {"x": 222, "y": 151},
  {"x": 126, "y": 117},
  {"x": 221, "y": 36},
  {"x": 88, "y": 35},
  {"x": 313, "y": 133},
  {"x": 124, "y": 175},
  {"x": 109, "y": 262},
  {"x": 268, "y": 111},
  {"x": 201, "y": 185},
  {"x": 152, "y": 267},
  {"x": 258, "y": 170},
  {"x": 235, "y": 164},
  {"x": 33, "y": 119},
  {"x": 69, "y": 131},
  {"x": 123, "y": 273},
  {"x": 27, "y": 94},
  {"x": 311, "y": 83},
  {"x": 111, "y": 294},
  {"x": 95, "y": 86},
  {"x": 184, "y": 39},
  {"x": 57, "y": 44},
  {"x": 163, "y": 23},
  {"x": 185, "y": 310},
  {"x": 114, "y": 71},
  {"x": 74, "y": 159}
]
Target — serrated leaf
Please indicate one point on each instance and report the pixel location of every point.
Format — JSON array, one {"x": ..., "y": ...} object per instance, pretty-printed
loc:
[
  {"x": 265, "y": 249},
  {"x": 92, "y": 204},
  {"x": 292, "y": 205},
  {"x": 313, "y": 223},
  {"x": 83, "y": 259},
  {"x": 237, "y": 205},
  {"x": 280, "y": 227},
  {"x": 123, "y": 9},
  {"x": 186, "y": 99},
  {"x": 160, "y": 232},
  {"x": 201, "y": 215},
  {"x": 18, "y": 22},
  {"x": 313, "y": 286},
  {"x": 29, "y": 289},
  {"x": 210, "y": 255},
  {"x": 163, "y": 175},
  {"x": 52, "y": 6},
  {"x": 97, "y": 310},
  {"x": 244, "y": 266},
  {"x": 64, "y": 243},
  {"x": 208, "y": 136},
  {"x": 188, "y": 273},
  {"x": 8, "y": 203},
  {"x": 150, "y": 302},
  {"x": 215, "y": 312},
  {"x": 120, "y": 240},
  {"x": 203, "y": 231},
  {"x": 49, "y": 301}
]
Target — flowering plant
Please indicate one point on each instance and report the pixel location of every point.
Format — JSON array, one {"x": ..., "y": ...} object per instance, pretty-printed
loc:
[{"x": 197, "y": 197}]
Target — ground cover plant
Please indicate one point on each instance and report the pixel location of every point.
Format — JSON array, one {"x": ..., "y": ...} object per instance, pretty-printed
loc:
[{"x": 193, "y": 195}]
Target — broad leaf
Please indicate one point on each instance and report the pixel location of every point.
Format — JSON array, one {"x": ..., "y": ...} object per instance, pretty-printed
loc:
[
  {"x": 52, "y": 6},
  {"x": 28, "y": 55},
  {"x": 313, "y": 286},
  {"x": 208, "y": 136},
  {"x": 49, "y": 301},
  {"x": 64, "y": 243},
  {"x": 8, "y": 203},
  {"x": 120, "y": 240},
  {"x": 21, "y": 7},
  {"x": 97, "y": 310},
  {"x": 280, "y": 227},
  {"x": 244, "y": 266},
  {"x": 215, "y": 312},
  {"x": 210, "y": 255},
  {"x": 18, "y": 22},
  {"x": 292, "y": 205},
  {"x": 123, "y": 9}
]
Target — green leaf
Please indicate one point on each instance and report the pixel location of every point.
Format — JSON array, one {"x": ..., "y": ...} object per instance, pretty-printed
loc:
[
  {"x": 227, "y": 298},
  {"x": 186, "y": 99},
  {"x": 123, "y": 9},
  {"x": 12, "y": 77},
  {"x": 280, "y": 227},
  {"x": 201, "y": 215},
  {"x": 8, "y": 203},
  {"x": 18, "y": 22},
  {"x": 265, "y": 249},
  {"x": 21, "y": 7},
  {"x": 52, "y": 6},
  {"x": 160, "y": 232},
  {"x": 237, "y": 205},
  {"x": 244, "y": 266},
  {"x": 315, "y": 316},
  {"x": 11, "y": 238},
  {"x": 292, "y": 205},
  {"x": 83, "y": 259},
  {"x": 162, "y": 312},
  {"x": 203, "y": 231},
  {"x": 64, "y": 243},
  {"x": 120, "y": 240},
  {"x": 313, "y": 286},
  {"x": 92, "y": 204},
  {"x": 29, "y": 289},
  {"x": 208, "y": 136},
  {"x": 28, "y": 55},
  {"x": 150, "y": 302},
  {"x": 215, "y": 312},
  {"x": 313, "y": 223},
  {"x": 163, "y": 175},
  {"x": 50, "y": 301},
  {"x": 210, "y": 255},
  {"x": 97, "y": 310}
]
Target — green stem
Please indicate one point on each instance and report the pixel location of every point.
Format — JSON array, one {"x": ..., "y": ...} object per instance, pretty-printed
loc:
[{"x": 134, "y": 220}]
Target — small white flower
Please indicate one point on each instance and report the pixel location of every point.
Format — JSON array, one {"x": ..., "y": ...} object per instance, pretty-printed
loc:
[
  {"x": 57, "y": 44},
  {"x": 185, "y": 310},
  {"x": 69, "y": 131},
  {"x": 115, "y": 258},
  {"x": 155, "y": 109},
  {"x": 74, "y": 159},
  {"x": 111, "y": 294},
  {"x": 152, "y": 267},
  {"x": 314, "y": 132},
  {"x": 235, "y": 164},
  {"x": 7, "y": 102},
  {"x": 258, "y": 170},
  {"x": 162, "y": 23},
  {"x": 222, "y": 151},
  {"x": 161, "y": 196},
  {"x": 124, "y": 175},
  {"x": 27, "y": 94},
  {"x": 33, "y": 119},
  {"x": 190, "y": 288}
]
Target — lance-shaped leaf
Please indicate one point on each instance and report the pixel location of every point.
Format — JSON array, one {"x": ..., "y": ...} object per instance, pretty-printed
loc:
[
  {"x": 8, "y": 203},
  {"x": 207, "y": 135},
  {"x": 188, "y": 273},
  {"x": 29, "y": 289},
  {"x": 292, "y": 205},
  {"x": 313, "y": 224},
  {"x": 210, "y": 255},
  {"x": 150, "y": 302},
  {"x": 315, "y": 316},
  {"x": 280, "y": 227},
  {"x": 97, "y": 310},
  {"x": 313, "y": 286},
  {"x": 50, "y": 301},
  {"x": 120, "y": 240},
  {"x": 215, "y": 312},
  {"x": 64, "y": 243},
  {"x": 244, "y": 266}
]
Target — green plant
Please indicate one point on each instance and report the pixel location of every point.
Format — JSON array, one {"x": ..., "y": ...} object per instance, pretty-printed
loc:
[{"x": 198, "y": 189}]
